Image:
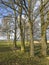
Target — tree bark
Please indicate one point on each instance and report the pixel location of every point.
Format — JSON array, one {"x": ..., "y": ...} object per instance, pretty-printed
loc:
[
  {"x": 21, "y": 30},
  {"x": 31, "y": 29},
  {"x": 43, "y": 33},
  {"x": 15, "y": 37}
]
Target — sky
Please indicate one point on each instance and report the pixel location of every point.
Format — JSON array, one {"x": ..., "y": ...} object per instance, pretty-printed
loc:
[
  {"x": 37, "y": 5},
  {"x": 0, "y": 21},
  {"x": 5, "y": 11}
]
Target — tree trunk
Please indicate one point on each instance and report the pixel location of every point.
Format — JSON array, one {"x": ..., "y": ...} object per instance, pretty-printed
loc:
[
  {"x": 21, "y": 30},
  {"x": 15, "y": 37},
  {"x": 43, "y": 33},
  {"x": 43, "y": 43},
  {"x": 31, "y": 29},
  {"x": 31, "y": 42}
]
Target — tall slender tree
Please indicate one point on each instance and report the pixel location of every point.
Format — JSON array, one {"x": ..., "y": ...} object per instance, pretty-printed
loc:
[
  {"x": 21, "y": 28},
  {"x": 43, "y": 32},
  {"x": 31, "y": 28}
]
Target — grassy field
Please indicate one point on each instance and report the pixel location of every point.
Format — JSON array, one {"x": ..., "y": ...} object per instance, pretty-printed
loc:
[{"x": 9, "y": 55}]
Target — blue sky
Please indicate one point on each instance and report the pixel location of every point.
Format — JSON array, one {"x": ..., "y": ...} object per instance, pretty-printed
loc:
[
  {"x": 37, "y": 5},
  {"x": 4, "y": 11}
]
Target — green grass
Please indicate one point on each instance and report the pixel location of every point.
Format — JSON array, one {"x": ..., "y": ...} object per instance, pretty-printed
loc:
[{"x": 8, "y": 55}]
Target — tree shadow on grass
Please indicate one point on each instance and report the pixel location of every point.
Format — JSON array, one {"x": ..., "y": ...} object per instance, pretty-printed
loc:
[{"x": 5, "y": 49}]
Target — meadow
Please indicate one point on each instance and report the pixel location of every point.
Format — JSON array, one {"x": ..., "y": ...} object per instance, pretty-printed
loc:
[{"x": 10, "y": 56}]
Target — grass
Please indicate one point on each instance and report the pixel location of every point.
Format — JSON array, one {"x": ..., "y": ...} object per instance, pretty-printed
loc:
[{"x": 8, "y": 55}]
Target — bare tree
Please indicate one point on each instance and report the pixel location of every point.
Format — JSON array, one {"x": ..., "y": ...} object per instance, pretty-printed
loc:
[{"x": 43, "y": 32}]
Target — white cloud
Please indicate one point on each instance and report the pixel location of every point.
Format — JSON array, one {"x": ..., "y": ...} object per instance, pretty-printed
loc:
[
  {"x": 37, "y": 5},
  {"x": 0, "y": 21}
]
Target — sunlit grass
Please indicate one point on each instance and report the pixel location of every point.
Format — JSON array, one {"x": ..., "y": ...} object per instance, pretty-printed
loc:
[{"x": 7, "y": 54}]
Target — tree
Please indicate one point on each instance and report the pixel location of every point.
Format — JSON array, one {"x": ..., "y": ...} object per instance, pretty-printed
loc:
[
  {"x": 21, "y": 29},
  {"x": 43, "y": 32},
  {"x": 30, "y": 21},
  {"x": 6, "y": 25}
]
